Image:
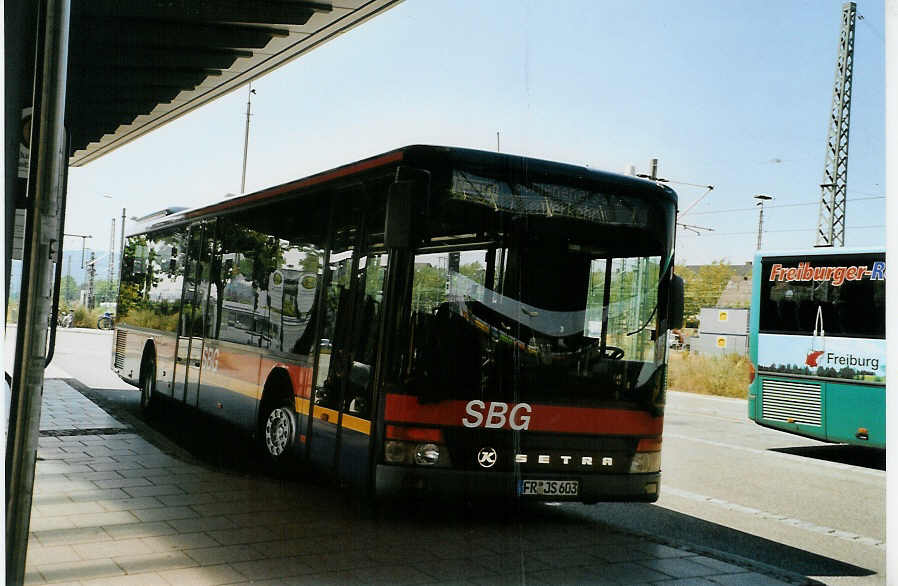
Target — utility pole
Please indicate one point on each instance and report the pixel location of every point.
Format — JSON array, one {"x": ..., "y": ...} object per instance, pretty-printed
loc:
[
  {"x": 83, "y": 238},
  {"x": 498, "y": 150},
  {"x": 249, "y": 98},
  {"x": 68, "y": 273},
  {"x": 654, "y": 174},
  {"x": 831, "y": 216},
  {"x": 761, "y": 199},
  {"x": 111, "y": 261},
  {"x": 91, "y": 272},
  {"x": 121, "y": 252}
]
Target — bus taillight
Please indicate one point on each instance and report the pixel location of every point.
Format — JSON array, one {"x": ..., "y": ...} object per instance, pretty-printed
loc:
[{"x": 751, "y": 372}]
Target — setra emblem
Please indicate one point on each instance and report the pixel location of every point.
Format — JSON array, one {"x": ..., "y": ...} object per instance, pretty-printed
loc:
[{"x": 487, "y": 457}]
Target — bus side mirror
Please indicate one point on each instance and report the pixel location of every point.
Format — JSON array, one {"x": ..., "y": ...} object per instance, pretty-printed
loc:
[
  {"x": 677, "y": 300},
  {"x": 398, "y": 229}
]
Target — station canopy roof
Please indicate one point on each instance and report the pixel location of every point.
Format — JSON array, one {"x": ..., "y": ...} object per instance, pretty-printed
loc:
[{"x": 136, "y": 64}]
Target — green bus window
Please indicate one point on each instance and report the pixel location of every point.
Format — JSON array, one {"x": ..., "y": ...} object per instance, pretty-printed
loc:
[{"x": 631, "y": 305}]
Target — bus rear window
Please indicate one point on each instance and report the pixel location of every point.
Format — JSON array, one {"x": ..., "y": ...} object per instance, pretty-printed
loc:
[{"x": 842, "y": 295}]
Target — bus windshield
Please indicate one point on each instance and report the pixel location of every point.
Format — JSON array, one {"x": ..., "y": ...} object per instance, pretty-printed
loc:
[{"x": 489, "y": 324}]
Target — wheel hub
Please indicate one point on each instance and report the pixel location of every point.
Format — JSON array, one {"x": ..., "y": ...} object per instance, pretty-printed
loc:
[{"x": 277, "y": 431}]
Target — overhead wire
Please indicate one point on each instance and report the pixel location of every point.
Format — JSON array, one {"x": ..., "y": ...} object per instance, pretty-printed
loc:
[
  {"x": 782, "y": 205},
  {"x": 878, "y": 34},
  {"x": 754, "y": 232}
]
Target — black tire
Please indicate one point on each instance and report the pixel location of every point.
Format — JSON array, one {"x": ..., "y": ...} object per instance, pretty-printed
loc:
[
  {"x": 148, "y": 399},
  {"x": 105, "y": 323},
  {"x": 277, "y": 435}
]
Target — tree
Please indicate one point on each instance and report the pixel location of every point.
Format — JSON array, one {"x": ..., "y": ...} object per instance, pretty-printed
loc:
[
  {"x": 68, "y": 289},
  {"x": 703, "y": 287},
  {"x": 105, "y": 290}
]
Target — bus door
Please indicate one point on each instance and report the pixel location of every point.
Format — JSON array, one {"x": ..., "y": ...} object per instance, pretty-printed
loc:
[
  {"x": 358, "y": 405},
  {"x": 333, "y": 352},
  {"x": 191, "y": 326}
]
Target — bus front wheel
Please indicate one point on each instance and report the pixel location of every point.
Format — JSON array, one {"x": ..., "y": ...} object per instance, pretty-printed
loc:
[{"x": 278, "y": 434}]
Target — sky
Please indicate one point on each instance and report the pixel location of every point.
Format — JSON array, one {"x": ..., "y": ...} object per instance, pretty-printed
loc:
[{"x": 734, "y": 94}]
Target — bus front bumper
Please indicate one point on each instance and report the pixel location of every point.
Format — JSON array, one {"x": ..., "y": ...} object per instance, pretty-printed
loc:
[{"x": 447, "y": 483}]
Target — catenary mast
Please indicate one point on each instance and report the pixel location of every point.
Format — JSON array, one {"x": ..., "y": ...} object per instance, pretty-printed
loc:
[{"x": 831, "y": 217}]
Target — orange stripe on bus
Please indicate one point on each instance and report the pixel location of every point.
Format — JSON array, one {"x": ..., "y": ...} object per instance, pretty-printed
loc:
[{"x": 545, "y": 418}]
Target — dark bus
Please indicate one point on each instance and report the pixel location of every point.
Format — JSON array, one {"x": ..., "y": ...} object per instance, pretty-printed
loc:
[{"x": 432, "y": 321}]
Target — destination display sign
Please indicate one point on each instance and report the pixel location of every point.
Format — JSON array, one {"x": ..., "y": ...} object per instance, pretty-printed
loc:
[{"x": 837, "y": 275}]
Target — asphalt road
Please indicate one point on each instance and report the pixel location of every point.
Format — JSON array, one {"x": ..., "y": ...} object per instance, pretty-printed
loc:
[
  {"x": 727, "y": 483},
  {"x": 786, "y": 501}
]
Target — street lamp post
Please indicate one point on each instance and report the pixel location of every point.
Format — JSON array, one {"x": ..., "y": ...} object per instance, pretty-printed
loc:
[
  {"x": 249, "y": 100},
  {"x": 761, "y": 199},
  {"x": 121, "y": 251},
  {"x": 83, "y": 238}
]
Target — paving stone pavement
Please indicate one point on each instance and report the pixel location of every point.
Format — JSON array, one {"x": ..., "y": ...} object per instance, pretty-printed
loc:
[{"x": 111, "y": 508}]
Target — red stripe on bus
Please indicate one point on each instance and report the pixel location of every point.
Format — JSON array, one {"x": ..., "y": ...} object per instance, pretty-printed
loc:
[
  {"x": 547, "y": 418},
  {"x": 301, "y": 183}
]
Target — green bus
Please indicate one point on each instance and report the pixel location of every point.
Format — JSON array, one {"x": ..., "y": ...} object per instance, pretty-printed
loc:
[{"x": 818, "y": 344}]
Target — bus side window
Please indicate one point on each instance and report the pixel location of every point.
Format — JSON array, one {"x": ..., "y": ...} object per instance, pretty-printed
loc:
[
  {"x": 332, "y": 346},
  {"x": 165, "y": 282},
  {"x": 807, "y": 315},
  {"x": 134, "y": 281},
  {"x": 360, "y": 387},
  {"x": 788, "y": 315}
]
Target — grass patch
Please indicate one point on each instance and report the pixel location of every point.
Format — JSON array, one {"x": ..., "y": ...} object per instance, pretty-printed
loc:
[
  {"x": 86, "y": 318},
  {"x": 725, "y": 376}
]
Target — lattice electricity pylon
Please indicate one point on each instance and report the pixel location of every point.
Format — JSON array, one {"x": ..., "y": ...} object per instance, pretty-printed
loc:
[{"x": 831, "y": 218}]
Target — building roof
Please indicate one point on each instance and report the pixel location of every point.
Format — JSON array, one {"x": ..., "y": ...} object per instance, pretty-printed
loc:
[
  {"x": 737, "y": 292},
  {"x": 135, "y": 65}
]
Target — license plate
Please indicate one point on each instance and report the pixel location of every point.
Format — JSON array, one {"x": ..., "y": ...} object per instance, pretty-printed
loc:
[{"x": 550, "y": 487}]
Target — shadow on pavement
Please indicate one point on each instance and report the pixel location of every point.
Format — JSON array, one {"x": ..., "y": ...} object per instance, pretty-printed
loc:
[
  {"x": 843, "y": 454},
  {"x": 665, "y": 524},
  {"x": 222, "y": 447},
  {"x": 175, "y": 428}
]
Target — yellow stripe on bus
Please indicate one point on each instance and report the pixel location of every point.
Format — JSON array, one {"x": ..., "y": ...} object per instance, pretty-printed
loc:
[
  {"x": 325, "y": 414},
  {"x": 302, "y": 406},
  {"x": 357, "y": 424},
  {"x": 349, "y": 422}
]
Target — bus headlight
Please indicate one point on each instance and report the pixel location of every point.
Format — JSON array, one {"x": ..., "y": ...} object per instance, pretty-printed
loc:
[
  {"x": 646, "y": 462},
  {"x": 427, "y": 454},
  {"x": 418, "y": 454},
  {"x": 395, "y": 452}
]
